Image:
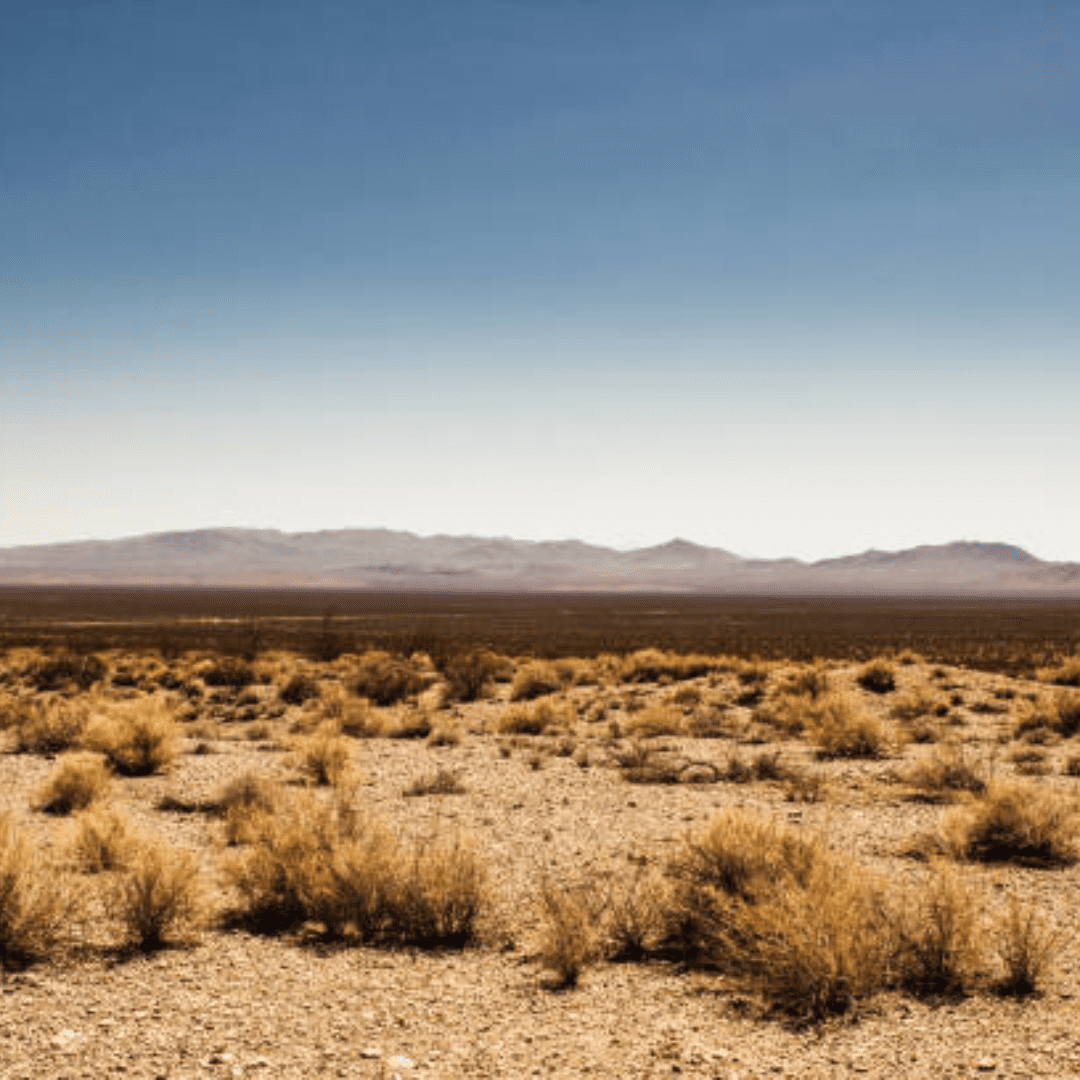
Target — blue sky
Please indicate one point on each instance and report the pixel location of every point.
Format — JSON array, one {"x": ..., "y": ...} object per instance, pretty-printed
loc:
[{"x": 788, "y": 278}]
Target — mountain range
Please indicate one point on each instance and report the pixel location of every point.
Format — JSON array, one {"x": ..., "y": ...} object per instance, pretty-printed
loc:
[{"x": 381, "y": 559}]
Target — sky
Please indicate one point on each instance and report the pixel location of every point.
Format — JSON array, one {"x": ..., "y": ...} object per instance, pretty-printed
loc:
[{"x": 786, "y": 277}]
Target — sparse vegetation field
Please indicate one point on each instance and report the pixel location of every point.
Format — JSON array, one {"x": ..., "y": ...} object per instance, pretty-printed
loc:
[{"x": 488, "y": 848}]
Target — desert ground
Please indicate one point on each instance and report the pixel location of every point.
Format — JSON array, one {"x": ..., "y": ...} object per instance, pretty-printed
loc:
[{"x": 638, "y": 865}]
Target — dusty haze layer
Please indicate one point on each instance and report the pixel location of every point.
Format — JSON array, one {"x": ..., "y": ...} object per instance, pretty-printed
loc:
[{"x": 383, "y": 559}]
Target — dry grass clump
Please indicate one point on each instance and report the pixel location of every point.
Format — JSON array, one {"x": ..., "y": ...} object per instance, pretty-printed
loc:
[
  {"x": 791, "y": 714},
  {"x": 441, "y": 782},
  {"x": 67, "y": 670},
  {"x": 137, "y": 738},
  {"x": 946, "y": 774},
  {"x": 49, "y": 727},
  {"x": 937, "y": 935},
  {"x": 11, "y": 708},
  {"x": 310, "y": 862},
  {"x": 1013, "y": 822},
  {"x": 158, "y": 895},
  {"x": 635, "y": 916},
  {"x": 842, "y": 728},
  {"x": 407, "y": 723},
  {"x": 385, "y": 679},
  {"x": 535, "y": 719},
  {"x": 227, "y": 671},
  {"x": 1067, "y": 673},
  {"x": 1025, "y": 947},
  {"x": 1059, "y": 715},
  {"x": 301, "y": 687},
  {"x": 771, "y": 907},
  {"x": 536, "y": 678},
  {"x": 104, "y": 839},
  {"x": 811, "y": 680},
  {"x": 325, "y": 755},
  {"x": 74, "y": 783},
  {"x": 877, "y": 675},
  {"x": 243, "y": 801},
  {"x": 654, "y": 665},
  {"x": 918, "y": 702},
  {"x": 656, "y": 720},
  {"x": 639, "y": 763},
  {"x": 353, "y": 716},
  {"x": 570, "y": 931},
  {"x": 35, "y": 908},
  {"x": 471, "y": 676}
]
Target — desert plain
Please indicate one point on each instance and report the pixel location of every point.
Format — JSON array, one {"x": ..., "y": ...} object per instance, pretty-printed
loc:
[{"x": 641, "y": 864}]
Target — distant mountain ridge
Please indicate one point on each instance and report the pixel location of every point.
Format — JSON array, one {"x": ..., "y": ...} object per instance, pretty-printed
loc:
[{"x": 382, "y": 559}]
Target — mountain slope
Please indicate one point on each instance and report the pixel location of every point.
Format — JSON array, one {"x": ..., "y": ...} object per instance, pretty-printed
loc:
[{"x": 384, "y": 559}]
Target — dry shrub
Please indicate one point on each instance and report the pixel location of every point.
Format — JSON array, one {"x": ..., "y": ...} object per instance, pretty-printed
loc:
[
  {"x": 74, "y": 783},
  {"x": 1025, "y": 947},
  {"x": 656, "y": 720},
  {"x": 937, "y": 934},
  {"x": 711, "y": 723},
  {"x": 386, "y": 679},
  {"x": 918, "y": 702},
  {"x": 35, "y": 907},
  {"x": 441, "y": 782},
  {"x": 946, "y": 773},
  {"x": 408, "y": 723},
  {"x": 243, "y": 801},
  {"x": 686, "y": 696},
  {"x": 471, "y": 676},
  {"x": 653, "y": 665},
  {"x": 790, "y": 714},
  {"x": 536, "y": 678},
  {"x": 1067, "y": 673},
  {"x": 325, "y": 755},
  {"x": 635, "y": 916},
  {"x": 283, "y": 841},
  {"x": 811, "y": 681},
  {"x": 770, "y": 906},
  {"x": 327, "y": 864},
  {"x": 300, "y": 688},
  {"x": 355, "y": 717},
  {"x": 159, "y": 894},
  {"x": 138, "y": 738},
  {"x": 49, "y": 727},
  {"x": 842, "y": 728},
  {"x": 1059, "y": 715},
  {"x": 104, "y": 839},
  {"x": 877, "y": 675},
  {"x": 570, "y": 931},
  {"x": 535, "y": 719},
  {"x": 228, "y": 671},
  {"x": 640, "y": 764},
  {"x": 66, "y": 670},
  {"x": 11, "y": 708},
  {"x": 1013, "y": 822}
]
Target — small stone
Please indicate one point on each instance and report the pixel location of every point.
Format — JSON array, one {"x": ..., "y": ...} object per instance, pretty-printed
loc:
[
  {"x": 986, "y": 1065},
  {"x": 370, "y": 1052}
]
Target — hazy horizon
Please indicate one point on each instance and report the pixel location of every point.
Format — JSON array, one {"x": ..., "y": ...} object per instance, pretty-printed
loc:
[{"x": 789, "y": 278}]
